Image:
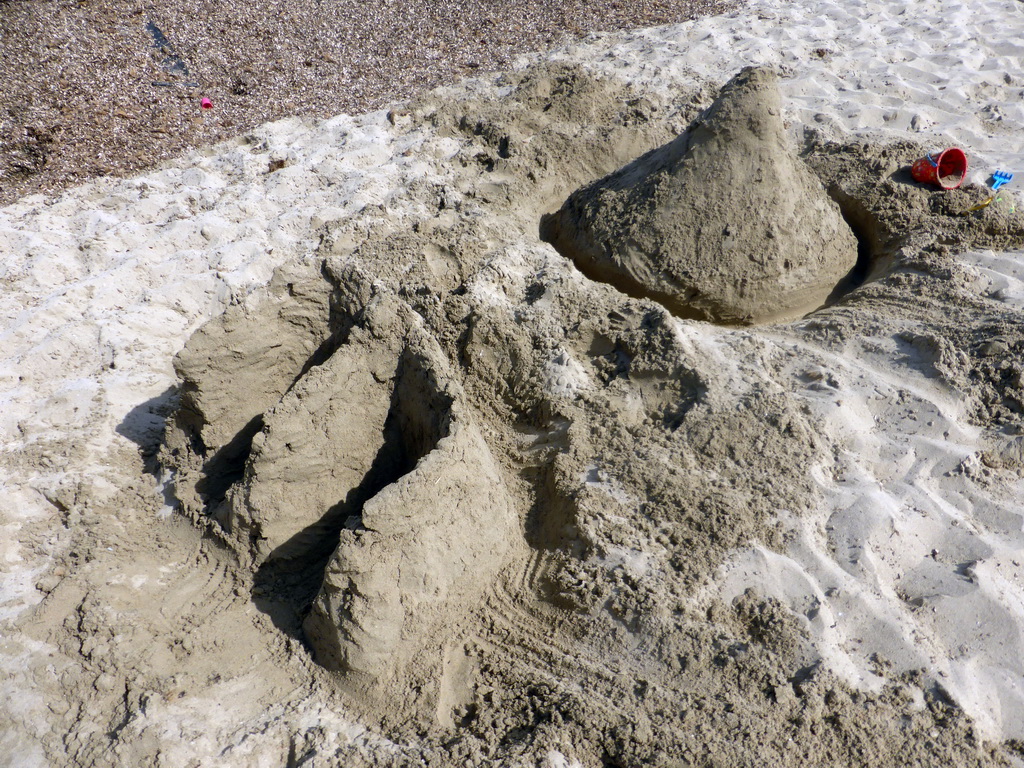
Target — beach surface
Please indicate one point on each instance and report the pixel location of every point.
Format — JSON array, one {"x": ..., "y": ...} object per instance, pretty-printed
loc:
[
  {"x": 319, "y": 447},
  {"x": 110, "y": 87}
]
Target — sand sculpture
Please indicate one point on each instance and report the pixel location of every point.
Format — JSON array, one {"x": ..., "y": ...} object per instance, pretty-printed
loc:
[
  {"x": 351, "y": 437},
  {"x": 425, "y": 548},
  {"x": 723, "y": 223},
  {"x": 453, "y": 502},
  {"x": 358, "y": 431},
  {"x": 452, "y": 471}
]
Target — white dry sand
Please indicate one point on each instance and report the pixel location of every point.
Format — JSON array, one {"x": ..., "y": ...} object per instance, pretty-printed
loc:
[{"x": 915, "y": 559}]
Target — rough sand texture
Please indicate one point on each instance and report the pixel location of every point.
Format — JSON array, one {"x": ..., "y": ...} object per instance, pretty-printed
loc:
[
  {"x": 724, "y": 223},
  {"x": 114, "y": 86},
  {"x": 518, "y": 583},
  {"x": 562, "y": 526}
]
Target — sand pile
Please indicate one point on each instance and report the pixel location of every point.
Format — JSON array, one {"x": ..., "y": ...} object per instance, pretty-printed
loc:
[{"x": 724, "y": 223}]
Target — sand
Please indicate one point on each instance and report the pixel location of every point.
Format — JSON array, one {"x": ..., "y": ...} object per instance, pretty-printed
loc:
[
  {"x": 110, "y": 87},
  {"x": 314, "y": 453},
  {"x": 724, "y": 223}
]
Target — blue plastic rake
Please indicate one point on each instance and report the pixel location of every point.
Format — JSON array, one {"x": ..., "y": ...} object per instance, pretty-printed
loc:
[{"x": 999, "y": 178}]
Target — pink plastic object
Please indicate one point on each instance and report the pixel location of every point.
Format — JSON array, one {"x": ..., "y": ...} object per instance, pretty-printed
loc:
[
  {"x": 946, "y": 169},
  {"x": 206, "y": 104}
]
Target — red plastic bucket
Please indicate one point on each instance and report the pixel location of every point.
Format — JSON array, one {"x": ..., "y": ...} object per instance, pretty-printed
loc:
[{"x": 947, "y": 169}]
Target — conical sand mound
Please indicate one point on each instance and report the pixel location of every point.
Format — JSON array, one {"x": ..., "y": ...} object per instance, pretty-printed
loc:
[{"x": 724, "y": 223}]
